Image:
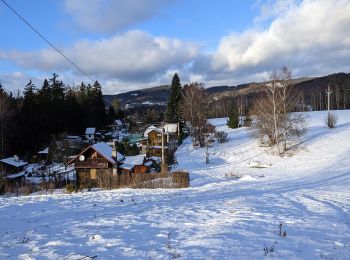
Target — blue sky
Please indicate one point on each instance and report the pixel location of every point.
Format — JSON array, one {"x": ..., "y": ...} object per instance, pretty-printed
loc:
[{"x": 132, "y": 44}]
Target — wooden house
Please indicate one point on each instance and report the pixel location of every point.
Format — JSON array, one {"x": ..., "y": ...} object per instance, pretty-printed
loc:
[
  {"x": 90, "y": 134},
  {"x": 172, "y": 131},
  {"x": 119, "y": 125},
  {"x": 155, "y": 137},
  {"x": 43, "y": 154},
  {"x": 12, "y": 165},
  {"x": 97, "y": 166},
  {"x": 135, "y": 165}
]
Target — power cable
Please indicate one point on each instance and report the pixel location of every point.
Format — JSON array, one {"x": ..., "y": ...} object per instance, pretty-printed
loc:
[{"x": 48, "y": 42}]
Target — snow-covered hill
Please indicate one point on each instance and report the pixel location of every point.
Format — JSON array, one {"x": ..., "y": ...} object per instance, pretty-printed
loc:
[{"x": 218, "y": 217}]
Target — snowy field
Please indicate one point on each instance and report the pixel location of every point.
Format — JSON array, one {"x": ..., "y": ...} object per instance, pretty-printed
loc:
[{"x": 218, "y": 217}]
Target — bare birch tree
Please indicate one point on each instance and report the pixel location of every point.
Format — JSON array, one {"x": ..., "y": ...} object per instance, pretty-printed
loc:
[
  {"x": 194, "y": 110},
  {"x": 275, "y": 122}
]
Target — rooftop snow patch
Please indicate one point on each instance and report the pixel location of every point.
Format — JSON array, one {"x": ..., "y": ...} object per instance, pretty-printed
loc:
[
  {"x": 45, "y": 151},
  {"x": 171, "y": 128},
  {"x": 90, "y": 130},
  {"x": 135, "y": 160},
  {"x": 118, "y": 122},
  {"x": 106, "y": 151},
  {"x": 14, "y": 161}
]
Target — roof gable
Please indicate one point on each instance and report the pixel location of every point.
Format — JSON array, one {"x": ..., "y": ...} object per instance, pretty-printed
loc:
[
  {"x": 105, "y": 151},
  {"x": 118, "y": 122}
]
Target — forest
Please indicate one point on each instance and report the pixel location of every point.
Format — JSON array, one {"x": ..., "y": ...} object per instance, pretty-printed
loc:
[{"x": 30, "y": 120}]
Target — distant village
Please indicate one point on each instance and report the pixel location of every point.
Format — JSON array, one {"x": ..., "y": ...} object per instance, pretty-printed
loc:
[{"x": 97, "y": 159}]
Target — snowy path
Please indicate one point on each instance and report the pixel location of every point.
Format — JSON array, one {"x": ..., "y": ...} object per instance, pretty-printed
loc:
[{"x": 217, "y": 218}]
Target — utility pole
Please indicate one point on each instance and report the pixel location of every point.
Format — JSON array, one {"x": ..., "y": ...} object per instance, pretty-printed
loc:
[
  {"x": 207, "y": 154},
  {"x": 163, "y": 170},
  {"x": 329, "y": 92}
]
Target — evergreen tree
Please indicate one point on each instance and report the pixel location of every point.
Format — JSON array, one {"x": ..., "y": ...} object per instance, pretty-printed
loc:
[
  {"x": 74, "y": 114},
  {"x": 98, "y": 105},
  {"x": 111, "y": 116},
  {"x": 29, "y": 119},
  {"x": 232, "y": 121},
  {"x": 173, "y": 114}
]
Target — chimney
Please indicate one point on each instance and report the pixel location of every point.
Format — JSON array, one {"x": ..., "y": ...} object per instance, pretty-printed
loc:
[
  {"x": 114, "y": 149},
  {"x": 16, "y": 158}
]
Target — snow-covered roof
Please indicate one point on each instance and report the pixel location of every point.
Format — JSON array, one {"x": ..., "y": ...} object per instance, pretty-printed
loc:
[
  {"x": 14, "y": 176},
  {"x": 170, "y": 128},
  {"x": 135, "y": 160},
  {"x": 106, "y": 151},
  {"x": 14, "y": 161},
  {"x": 127, "y": 166},
  {"x": 45, "y": 151},
  {"x": 73, "y": 137},
  {"x": 156, "y": 159},
  {"x": 158, "y": 147},
  {"x": 90, "y": 130},
  {"x": 118, "y": 122},
  {"x": 149, "y": 129},
  {"x": 149, "y": 163}
]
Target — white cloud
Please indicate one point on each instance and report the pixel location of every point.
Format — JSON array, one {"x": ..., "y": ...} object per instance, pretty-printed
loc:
[
  {"x": 111, "y": 15},
  {"x": 312, "y": 38},
  {"x": 134, "y": 57},
  {"x": 16, "y": 81}
]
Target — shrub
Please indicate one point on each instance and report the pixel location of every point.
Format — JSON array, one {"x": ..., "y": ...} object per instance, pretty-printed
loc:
[
  {"x": 331, "y": 120},
  {"x": 181, "y": 179},
  {"x": 2, "y": 185},
  {"x": 47, "y": 186},
  {"x": 70, "y": 188},
  {"x": 27, "y": 188},
  {"x": 221, "y": 136}
]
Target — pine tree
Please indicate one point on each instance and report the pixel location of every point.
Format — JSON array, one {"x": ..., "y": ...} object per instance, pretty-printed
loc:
[
  {"x": 232, "y": 121},
  {"x": 98, "y": 105},
  {"x": 29, "y": 119},
  {"x": 172, "y": 114}
]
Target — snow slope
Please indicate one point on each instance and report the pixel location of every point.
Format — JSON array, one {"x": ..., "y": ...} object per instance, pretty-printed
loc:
[{"x": 218, "y": 217}]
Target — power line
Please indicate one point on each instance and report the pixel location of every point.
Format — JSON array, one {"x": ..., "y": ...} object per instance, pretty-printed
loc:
[{"x": 48, "y": 42}]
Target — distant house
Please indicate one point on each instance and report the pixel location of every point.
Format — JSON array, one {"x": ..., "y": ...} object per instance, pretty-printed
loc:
[
  {"x": 149, "y": 129},
  {"x": 117, "y": 125},
  {"x": 13, "y": 165},
  {"x": 171, "y": 128},
  {"x": 73, "y": 139},
  {"x": 97, "y": 166},
  {"x": 43, "y": 154},
  {"x": 155, "y": 137},
  {"x": 135, "y": 164},
  {"x": 172, "y": 133},
  {"x": 90, "y": 134}
]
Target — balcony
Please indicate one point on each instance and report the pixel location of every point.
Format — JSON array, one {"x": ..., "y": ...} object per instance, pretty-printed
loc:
[{"x": 98, "y": 163}]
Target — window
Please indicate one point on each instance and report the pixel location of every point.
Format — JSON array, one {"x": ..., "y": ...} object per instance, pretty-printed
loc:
[{"x": 93, "y": 174}]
